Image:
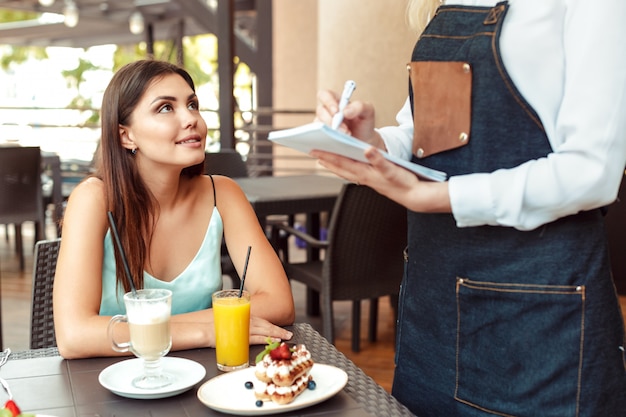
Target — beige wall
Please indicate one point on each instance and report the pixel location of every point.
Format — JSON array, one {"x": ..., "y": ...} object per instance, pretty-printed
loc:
[
  {"x": 319, "y": 44},
  {"x": 295, "y": 72},
  {"x": 370, "y": 43}
]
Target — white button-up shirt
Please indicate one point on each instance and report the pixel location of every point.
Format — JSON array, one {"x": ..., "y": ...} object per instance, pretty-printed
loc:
[{"x": 567, "y": 59}]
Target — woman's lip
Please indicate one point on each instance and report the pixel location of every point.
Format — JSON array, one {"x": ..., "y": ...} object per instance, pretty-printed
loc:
[
  {"x": 191, "y": 144},
  {"x": 190, "y": 139}
]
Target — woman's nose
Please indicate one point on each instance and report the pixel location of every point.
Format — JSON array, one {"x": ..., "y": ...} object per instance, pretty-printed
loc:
[{"x": 190, "y": 118}]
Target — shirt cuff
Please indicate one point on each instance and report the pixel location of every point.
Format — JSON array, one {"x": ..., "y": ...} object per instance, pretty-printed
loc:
[
  {"x": 395, "y": 141},
  {"x": 471, "y": 200}
]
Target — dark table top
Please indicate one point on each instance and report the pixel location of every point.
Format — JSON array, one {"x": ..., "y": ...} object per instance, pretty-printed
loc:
[
  {"x": 291, "y": 194},
  {"x": 43, "y": 382}
]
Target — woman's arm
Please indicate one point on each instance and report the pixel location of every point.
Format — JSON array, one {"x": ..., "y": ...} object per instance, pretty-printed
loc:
[
  {"x": 566, "y": 65},
  {"x": 80, "y": 331},
  {"x": 270, "y": 291}
]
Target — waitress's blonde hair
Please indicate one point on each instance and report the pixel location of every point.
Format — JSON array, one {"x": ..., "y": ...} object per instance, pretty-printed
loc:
[{"x": 419, "y": 13}]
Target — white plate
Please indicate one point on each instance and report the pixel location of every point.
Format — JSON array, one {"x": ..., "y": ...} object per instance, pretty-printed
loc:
[
  {"x": 227, "y": 392},
  {"x": 118, "y": 377}
]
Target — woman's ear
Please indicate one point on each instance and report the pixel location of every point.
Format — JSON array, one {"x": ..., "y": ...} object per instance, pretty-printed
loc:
[{"x": 125, "y": 139}]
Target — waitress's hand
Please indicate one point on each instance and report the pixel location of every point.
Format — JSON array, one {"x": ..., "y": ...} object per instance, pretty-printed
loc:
[
  {"x": 390, "y": 180},
  {"x": 261, "y": 329},
  {"x": 358, "y": 117}
]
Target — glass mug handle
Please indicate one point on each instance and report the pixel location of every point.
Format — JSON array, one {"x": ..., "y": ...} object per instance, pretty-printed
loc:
[{"x": 118, "y": 347}]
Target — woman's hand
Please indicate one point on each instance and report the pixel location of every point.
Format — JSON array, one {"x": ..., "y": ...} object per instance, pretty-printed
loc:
[
  {"x": 390, "y": 180},
  {"x": 261, "y": 329},
  {"x": 358, "y": 117}
]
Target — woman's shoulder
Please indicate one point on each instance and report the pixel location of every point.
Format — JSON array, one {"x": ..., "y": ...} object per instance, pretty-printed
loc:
[
  {"x": 86, "y": 206},
  {"x": 226, "y": 190},
  {"x": 221, "y": 183},
  {"x": 91, "y": 188}
]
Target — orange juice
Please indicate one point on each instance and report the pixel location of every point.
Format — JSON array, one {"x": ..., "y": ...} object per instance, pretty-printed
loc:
[{"x": 232, "y": 329}]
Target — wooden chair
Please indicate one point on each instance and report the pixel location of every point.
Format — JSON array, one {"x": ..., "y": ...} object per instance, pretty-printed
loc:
[
  {"x": 362, "y": 260},
  {"x": 42, "y": 321},
  {"x": 21, "y": 196}
]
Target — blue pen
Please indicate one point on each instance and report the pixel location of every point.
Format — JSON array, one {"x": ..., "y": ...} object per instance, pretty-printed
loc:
[{"x": 348, "y": 89}]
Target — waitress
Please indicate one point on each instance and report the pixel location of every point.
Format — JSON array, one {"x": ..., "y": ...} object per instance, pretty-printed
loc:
[{"x": 507, "y": 307}]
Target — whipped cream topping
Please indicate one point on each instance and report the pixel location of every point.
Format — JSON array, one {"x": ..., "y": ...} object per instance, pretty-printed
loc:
[
  {"x": 283, "y": 367},
  {"x": 270, "y": 389}
]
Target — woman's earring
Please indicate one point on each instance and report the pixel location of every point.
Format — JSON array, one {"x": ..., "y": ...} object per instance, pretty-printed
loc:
[{"x": 134, "y": 151}]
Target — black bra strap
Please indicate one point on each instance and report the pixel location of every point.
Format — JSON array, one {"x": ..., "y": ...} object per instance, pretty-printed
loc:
[{"x": 214, "y": 195}]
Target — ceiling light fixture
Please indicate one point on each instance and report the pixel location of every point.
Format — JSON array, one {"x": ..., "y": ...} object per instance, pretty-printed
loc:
[
  {"x": 46, "y": 3},
  {"x": 136, "y": 23},
  {"x": 70, "y": 12}
]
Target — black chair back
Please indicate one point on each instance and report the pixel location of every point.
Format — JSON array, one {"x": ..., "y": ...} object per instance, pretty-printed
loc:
[
  {"x": 21, "y": 195},
  {"x": 20, "y": 185},
  {"x": 367, "y": 235},
  {"x": 363, "y": 257},
  {"x": 227, "y": 162},
  {"x": 41, "y": 320}
]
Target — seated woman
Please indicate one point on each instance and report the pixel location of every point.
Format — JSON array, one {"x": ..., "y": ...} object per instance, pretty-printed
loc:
[{"x": 170, "y": 220}]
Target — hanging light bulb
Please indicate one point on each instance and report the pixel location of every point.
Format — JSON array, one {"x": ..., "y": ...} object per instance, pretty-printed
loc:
[
  {"x": 70, "y": 12},
  {"x": 46, "y": 3},
  {"x": 136, "y": 23}
]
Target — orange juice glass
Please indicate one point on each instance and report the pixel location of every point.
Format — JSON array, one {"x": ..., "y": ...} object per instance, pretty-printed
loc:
[{"x": 232, "y": 329}]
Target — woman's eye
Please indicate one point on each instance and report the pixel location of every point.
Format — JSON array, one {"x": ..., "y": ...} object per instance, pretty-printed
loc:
[
  {"x": 165, "y": 108},
  {"x": 193, "y": 105}
]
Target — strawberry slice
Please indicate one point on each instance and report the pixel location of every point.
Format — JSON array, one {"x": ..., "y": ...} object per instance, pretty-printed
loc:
[
  {"x": 281, "y": 352},
  {"x": 13, "y": 408}
]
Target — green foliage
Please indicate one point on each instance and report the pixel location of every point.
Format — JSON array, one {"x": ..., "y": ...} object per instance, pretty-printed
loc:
[
  {"x": 199, "y": 56},
  {"x": 18, "y": 54},
  {"x": 76, "y": 76},
  {"x": 199, "y": 59}
]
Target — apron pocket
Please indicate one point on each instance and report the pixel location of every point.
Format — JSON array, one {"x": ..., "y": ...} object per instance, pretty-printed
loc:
[{"x": 519, "y": 347}]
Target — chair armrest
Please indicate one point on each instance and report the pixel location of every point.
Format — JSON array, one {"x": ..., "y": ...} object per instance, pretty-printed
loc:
[{"x": 316, "y": 243}]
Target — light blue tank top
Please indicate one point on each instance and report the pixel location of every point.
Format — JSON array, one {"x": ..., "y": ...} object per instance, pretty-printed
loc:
[{"x": 191, "y": 290}]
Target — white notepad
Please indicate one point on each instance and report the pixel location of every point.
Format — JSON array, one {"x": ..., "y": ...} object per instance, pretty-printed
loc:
[{"x": 319, "y": 136}]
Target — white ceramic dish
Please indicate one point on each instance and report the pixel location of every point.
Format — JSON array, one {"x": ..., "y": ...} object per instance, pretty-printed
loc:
[
  {"x": 227, "y": 392},
  {"x": 117, "y": 378}
]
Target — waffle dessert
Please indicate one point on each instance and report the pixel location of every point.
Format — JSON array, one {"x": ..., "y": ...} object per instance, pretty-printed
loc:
[{"x": 283, "y": 373}]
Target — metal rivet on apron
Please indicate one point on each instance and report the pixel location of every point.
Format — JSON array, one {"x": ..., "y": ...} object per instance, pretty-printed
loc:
[
  {"x": 579, "y": 288},
  {"x": 463, "y": 137},
  {"x": 420, "y": 152},
  {"x": 466, "y": 68}
]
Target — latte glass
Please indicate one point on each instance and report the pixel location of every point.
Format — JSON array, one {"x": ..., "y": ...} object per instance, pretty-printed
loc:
[{"x": 148, "y": 316}]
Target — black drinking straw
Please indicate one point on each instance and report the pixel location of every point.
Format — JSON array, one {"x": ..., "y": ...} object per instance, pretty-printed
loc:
[
  {"x": 122, "y": 253},
  {"x": 245, "y": 269}
]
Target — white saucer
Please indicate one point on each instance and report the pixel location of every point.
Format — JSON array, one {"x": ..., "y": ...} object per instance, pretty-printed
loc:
[
  {"x": 117, "y": 377},
  {"x": 227, "y": 392}
]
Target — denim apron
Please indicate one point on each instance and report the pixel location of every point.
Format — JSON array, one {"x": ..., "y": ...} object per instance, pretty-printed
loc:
[{"x": 493, "y": 320}]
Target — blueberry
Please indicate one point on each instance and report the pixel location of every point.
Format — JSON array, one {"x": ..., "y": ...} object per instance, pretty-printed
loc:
[
  {"x": 311, "y": 385},
  {"x": 249, "y": 385},
  {"x": 259, "y": 403}
]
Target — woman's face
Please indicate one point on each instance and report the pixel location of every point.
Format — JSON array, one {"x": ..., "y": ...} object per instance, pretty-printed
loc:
[{"x": 166, "y": 126}]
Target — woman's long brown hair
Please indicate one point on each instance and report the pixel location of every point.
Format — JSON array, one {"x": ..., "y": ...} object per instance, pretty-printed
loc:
[{"x": 133, "y": 206}]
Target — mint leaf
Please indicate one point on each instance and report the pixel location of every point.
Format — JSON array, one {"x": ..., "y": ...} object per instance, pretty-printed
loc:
[{"x": 268, "y": 348}]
